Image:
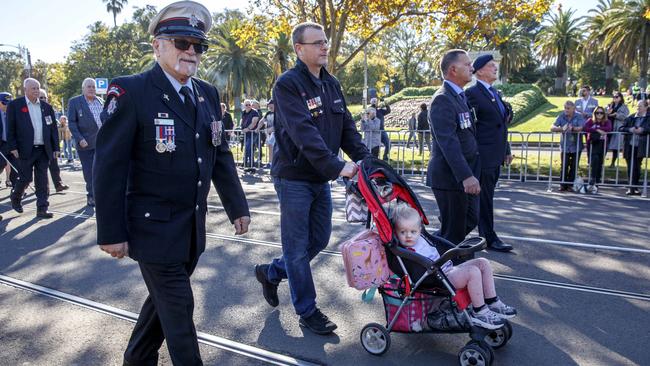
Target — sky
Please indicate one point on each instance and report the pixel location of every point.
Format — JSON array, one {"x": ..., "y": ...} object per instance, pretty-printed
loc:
[{"x": 49, "y": 27}]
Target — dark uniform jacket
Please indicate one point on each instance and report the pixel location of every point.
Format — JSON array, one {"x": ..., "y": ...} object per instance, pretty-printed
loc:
[
  {"x": 311, "y": 123},
  {"x": 491, "y": 126},
  {"x": 381, "y": 114},
  {"x": 154, "y": 200},
  {"x": 455, "y": 154},
  {"x": 82, "y": 122},
  {"x": 640, "y": 151},
  {"x": 20, "y": 132}
]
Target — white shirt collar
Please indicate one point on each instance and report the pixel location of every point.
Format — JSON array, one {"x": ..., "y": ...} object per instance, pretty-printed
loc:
[
  {"x": 38, "y": 101},
  {"x": 177, "y": 84},
  {"x": 485, "y": 84}
]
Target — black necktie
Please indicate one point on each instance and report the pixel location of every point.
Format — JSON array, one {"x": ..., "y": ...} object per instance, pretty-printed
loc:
[
  {"x": 189, "y": 105},
  {"x": 502, "y": 108}
]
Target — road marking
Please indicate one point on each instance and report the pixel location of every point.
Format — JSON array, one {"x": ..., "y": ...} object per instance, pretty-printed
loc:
[{"x": 205, "y": 338}]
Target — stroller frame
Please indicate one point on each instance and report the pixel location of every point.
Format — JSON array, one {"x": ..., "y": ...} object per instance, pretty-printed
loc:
[{"x": 375, "y": 338}]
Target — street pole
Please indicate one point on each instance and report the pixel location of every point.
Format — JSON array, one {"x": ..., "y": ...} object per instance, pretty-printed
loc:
[{"x": 365, "y": 77}]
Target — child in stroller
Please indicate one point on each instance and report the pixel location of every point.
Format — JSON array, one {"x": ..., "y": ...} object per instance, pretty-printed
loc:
[{"x": 488, "y": 311}]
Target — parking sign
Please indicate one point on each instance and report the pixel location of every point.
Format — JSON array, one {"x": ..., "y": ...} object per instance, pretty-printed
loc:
[{"x": 101, "y": 85}]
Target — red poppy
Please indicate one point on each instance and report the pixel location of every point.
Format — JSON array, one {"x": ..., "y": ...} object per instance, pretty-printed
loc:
[{"x": 25, "y": 110}]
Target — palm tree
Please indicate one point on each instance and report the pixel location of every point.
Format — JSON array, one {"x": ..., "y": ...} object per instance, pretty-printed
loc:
[
  {"x": 559, "y": 41},
  {"x": 513, "y": 43},
  {"x": 281, "y": 50},
  {"x": 115, "y": 7},
  {"x": 627, "y": 34},
  {"x": 596, "y": 24},
  {"x": 237, "y": 68}
]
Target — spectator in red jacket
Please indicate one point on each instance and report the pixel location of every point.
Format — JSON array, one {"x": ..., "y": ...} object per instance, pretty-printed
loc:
[{"x": 597, "y": 128}]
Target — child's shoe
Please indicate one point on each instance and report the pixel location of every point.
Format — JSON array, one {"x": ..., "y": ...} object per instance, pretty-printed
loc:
[
  {"x": 502, "y": 310},
  {"x": 486, "y": 318}
]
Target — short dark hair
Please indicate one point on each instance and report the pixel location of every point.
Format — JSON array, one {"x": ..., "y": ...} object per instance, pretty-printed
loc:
[
  {"x": 299, "y": 30},
  {"x": 449, "y": 58},
  {"x": 423, "y": 106}
]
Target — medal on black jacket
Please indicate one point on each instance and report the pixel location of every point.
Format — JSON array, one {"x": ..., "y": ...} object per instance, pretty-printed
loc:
[
  {"x": 216, "y": 127},
  {"x": 165, "y": 135}
]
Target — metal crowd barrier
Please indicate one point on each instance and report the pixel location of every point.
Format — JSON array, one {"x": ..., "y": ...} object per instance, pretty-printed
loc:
[{"x": 537, "y": 156}]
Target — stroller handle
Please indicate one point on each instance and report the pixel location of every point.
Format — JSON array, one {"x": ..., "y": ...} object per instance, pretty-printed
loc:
[{"x": 465, "y": 248}]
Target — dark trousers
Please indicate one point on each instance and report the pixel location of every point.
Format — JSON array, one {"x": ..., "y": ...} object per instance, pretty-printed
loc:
[
  {"x": 569, "y": 167},
  {"x": 38, "y": 162},
  {"x": 634, "y": 170},
  {"x": 55, "y": 171},
  {"x": 596, "y": 162},
  {"x": 424, "y": 136},
  {"x": 13, "y": 177},
  {"x": 167, "y": 314},
  {"x": 385, "y": 140},
  {"x": 305, "y": 229},
  {"x": 87, "y": 157},
  {"x": 458, "y": 213},
  {"x": 489, "y": 179}
]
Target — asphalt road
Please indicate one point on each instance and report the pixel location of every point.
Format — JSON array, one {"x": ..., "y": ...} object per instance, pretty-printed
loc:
[{"x": 578, "y": 276}]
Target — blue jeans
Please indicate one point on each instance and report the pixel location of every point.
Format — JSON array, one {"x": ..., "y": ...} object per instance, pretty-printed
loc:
[
  {"x": 250, "y": 144},
  {"x": 87, "y": 157},
  {"x": 67, "y": 149},
  {"x": 306, "y": 225}
]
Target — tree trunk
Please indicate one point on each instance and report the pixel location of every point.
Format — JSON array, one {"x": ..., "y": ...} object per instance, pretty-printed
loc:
[
  {"x": 643, "y": 62},
  {"x": 114, "y": 20},
  {"x": 561, "y": 74}
]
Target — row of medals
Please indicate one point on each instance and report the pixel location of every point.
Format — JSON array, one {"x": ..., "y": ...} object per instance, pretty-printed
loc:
[{"x": 165, "y": 146}]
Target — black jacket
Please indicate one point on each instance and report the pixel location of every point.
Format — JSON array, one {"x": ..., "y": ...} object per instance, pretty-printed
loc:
[
  {"x": 640, "y": 150},
  {"x": 491, "y": 126},
  {"x": 312, "y": 123},
  {"x": 455, "y": 154},
  {"x": 154, "y": 200},
  {"x": 20, "y": 132}
]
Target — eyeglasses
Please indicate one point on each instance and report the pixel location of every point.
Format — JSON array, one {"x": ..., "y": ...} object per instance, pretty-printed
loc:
[
  {"x": 597, "y": 113},
  {"x": 321, "y": 43},
  {"x": 42, "y": 98},
  {"x": 184, "y": 45}
]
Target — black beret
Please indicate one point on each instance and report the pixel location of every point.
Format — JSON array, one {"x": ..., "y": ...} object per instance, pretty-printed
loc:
[{"x": 481, "y": 61}]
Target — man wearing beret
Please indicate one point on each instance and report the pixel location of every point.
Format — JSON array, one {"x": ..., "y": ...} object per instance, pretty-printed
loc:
[
  {"x": 160, "y": 145},
  {"x": 454, "y": 166},
  {"x": 492, "y": 118}
]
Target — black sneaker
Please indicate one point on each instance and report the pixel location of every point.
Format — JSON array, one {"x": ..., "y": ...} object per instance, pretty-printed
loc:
[
  {"x": 269, "y": 289},
  {"x": 318, "y": 323}
]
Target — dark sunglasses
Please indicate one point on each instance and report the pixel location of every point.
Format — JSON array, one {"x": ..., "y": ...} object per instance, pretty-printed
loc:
[
  {"x": 184, "y": 45},
  {"x": 5, "y": 103},
  {"x": 597, "y": 113},
  {"x": 42, "y": 98}
]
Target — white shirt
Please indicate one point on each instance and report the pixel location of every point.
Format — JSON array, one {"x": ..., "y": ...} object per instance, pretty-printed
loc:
[
  {"x": 37, "y": 120},
  {"x": 177, "y": 86},
  {"x": 423, "y": 248}
]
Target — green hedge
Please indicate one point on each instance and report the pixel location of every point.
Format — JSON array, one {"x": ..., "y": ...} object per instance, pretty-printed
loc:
[{"x": 525, "y": 102}]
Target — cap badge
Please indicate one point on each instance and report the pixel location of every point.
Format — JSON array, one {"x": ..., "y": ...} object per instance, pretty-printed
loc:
[{"x": 194, "y": 21}]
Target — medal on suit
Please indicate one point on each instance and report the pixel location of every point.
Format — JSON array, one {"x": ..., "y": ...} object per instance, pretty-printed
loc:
[
  {"x": 216, "y": 128},
  {"x": 165, "y": 135}
]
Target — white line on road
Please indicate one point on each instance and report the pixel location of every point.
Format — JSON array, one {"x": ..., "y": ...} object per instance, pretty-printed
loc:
[{"x": 205, "y": 338}]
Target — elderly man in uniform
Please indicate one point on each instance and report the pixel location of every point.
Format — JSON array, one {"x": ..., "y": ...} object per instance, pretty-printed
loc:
[
  {"x": 84, "y": 121},
  {"x": 160, "y": 144},
  {"x": 312, "y": 123},
  {"x": 33, "y": 140},
  {"x": 492, "y": 118},
  {"x": 454, "y": 166}
]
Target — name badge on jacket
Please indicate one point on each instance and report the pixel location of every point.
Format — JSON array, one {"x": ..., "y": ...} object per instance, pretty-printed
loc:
[{"x": 48, "y": 120}]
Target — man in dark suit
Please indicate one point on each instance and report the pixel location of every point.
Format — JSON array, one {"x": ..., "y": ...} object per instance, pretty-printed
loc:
[
  {"x": 55, "y": 171},
  {"x": 84, "y": 121},
  {"x": 160, "y": 144},
  {"x": 454, "y": 165},
  {"x": 33, "y": 140},
  {"x": 5, "y": 98},
  {"x": 492, "y": 118}
]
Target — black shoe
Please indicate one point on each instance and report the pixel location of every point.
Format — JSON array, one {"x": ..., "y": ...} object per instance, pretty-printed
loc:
[
  {"x": 269, "y": 289},
  {"x": 8, "y": 184},
  {"x": 90, "y": 202},
  {"x": 318, "y": 323},
  {"x": 61, "y": 187},
  {"x": 44, "y": 214},
  {"x": 16, "y": 205},
  {"x": 500, "y": 246},
  {"x": 0, "y": 217}
]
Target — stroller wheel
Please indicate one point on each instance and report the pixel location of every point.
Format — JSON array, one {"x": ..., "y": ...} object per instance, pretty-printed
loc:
[
  {"x": 499, "y": 337},
  {"x": 473, "y": 354},
  {"x": 375, "y": 339}
]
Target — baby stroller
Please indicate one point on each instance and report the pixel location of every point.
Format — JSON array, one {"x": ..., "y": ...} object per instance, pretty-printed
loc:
[{"x": 410, "y": 306}]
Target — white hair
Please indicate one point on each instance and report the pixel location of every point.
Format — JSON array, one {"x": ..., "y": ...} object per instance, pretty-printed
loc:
[
  {"x": 87, "y": 80},
  {"x": 30, "y": 81},
  {"x": 42, "y": 91}
]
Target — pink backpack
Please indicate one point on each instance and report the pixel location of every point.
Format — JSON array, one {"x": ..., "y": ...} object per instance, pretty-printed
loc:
[{"x": 364, "y": 259}]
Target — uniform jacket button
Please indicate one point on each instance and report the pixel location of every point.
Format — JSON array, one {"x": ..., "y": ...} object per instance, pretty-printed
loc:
[
  {"x": 196, "y": 136},
  {"x": 199, "y": 184},
  {"x": 199, "y": 160},
  {"x": 147, "y": 214},
  {"x": 197, "y": 207}
]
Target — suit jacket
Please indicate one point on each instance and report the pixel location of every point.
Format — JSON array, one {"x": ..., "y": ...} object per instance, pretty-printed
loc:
[
  {"x": 455, "y": 154},
  {"x": 640, "y": 150},
  {"x": 491, "y": 126},
  {"x": 81, "y": 122},
  {"x": 20, "y": 132},
  {"x": 156, "y": 199}
]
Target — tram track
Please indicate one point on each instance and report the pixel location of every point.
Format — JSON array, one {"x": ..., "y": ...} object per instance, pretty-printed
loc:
[{"x": 525, "y": 280}]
